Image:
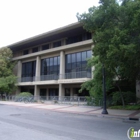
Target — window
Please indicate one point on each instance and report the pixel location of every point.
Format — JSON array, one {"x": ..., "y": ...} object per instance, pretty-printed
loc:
[
  {"x": 74, "y": 39},
  {"x": 56, "y": 44},
  {"x": 35, "y": 50},
  {"x": 28, "y": 71},
  {"x": 78, "y": 38},
  {"x": 50, "y": 68},
  {"x": 25, "y": 52},
  {"x": 45, "y": 47},
  {"x": 77, "y": 62}
]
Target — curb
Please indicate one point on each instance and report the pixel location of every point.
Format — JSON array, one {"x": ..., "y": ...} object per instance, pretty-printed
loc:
[{"x": 127, "y": 118}]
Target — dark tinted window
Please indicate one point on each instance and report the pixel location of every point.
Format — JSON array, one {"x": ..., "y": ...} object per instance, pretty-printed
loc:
[
  {"x": 50, "y": 66},
  {"x": 45, "y": 47},
  {"x": 35, "y": 50},
  {"x": 28, "y": 69},
  {"x": 77, "y": 61},
  {"x": 25, "y": 52},
  {"x": 56, "y": 44}
]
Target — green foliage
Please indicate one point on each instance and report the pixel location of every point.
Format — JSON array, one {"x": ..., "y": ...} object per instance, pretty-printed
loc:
[
  {"x": 24, "y": 94},
  {"x": 7, "y": 84},
  {"x": 94, "y": 101},
  {"x": 129, "y": 97},
  {"x": 127, "y": 107},
  {"x": 116, "y": 37},
  {"x": 7, "y": 78}
]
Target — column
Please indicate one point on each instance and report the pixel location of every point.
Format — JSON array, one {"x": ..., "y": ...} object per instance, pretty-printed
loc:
[
  {"x": 61, "y": 91},
  {"x": 18, "y": 90},
  {"x": 47, "y": 94},
  {"x": 62, "y": 64},
  {"x": 71, "y": 92},
  {"x": 19, "y": 69},
  {"x": 37, "y": 74},
  {"x": 36, "y": 93}
]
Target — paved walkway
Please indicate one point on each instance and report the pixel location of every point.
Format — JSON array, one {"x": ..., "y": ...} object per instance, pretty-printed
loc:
[{"x": 86, "y": 110}]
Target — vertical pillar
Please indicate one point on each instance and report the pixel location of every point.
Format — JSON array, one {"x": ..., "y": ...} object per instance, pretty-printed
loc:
[
  {"x": 19, "y": 68},
  {"x": 63, "y": 42},
  {"x": 36, "y": 92},
  {"x": 62, "y": 64},
  {"x": 71, "y": 92},
  {"x": 47, "y": 94},
  {"x": 18, "y": 90},
  {"x": 37, "y": 74},
  {"x": 61, "y": 91}
]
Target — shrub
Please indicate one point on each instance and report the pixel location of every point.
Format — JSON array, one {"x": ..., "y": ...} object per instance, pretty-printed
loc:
[
  {"x": 94, "y": 101},
  {"x": 24, "y": 94},
  {"x": 129, "y": 97}
]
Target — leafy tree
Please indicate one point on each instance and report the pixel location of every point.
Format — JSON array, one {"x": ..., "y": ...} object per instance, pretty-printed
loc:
[
  {"x": 116, "y": 38},
  {"x": 7, "y": 78}
]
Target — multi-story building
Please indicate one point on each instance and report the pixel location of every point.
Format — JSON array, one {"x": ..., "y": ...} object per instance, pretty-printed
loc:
[{"x": 54, "y": 63}]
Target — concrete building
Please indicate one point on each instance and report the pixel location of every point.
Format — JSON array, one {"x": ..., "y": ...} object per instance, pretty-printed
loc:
[{"x": 54, "y": 63}]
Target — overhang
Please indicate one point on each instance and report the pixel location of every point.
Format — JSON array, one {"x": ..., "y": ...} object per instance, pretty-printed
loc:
[{"x": 49, "y": 36}]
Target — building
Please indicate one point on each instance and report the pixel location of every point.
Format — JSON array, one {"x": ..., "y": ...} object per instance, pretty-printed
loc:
[{"x": 54, "y": 63}]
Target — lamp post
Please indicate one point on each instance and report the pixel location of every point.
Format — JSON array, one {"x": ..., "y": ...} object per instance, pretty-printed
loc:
[{"x": 104, "y": 92}]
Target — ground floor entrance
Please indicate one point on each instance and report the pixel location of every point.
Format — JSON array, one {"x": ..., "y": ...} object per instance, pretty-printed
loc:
[{"x": 63, "y": 90}]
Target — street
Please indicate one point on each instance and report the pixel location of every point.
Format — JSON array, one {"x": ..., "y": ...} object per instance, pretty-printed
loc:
[{"x": 40, "y": 124}]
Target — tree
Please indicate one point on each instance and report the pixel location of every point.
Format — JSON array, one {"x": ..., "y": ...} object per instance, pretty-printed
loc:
[
  {"x": 7, "y": 78},
  {"x": 116, "y": 38}
]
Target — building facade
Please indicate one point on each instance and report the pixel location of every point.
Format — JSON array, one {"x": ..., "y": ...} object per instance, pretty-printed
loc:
[{"x": 54, "y": 63}]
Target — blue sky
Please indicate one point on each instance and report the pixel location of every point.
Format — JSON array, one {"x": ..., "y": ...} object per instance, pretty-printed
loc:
[{"x": 21, "y": 19}]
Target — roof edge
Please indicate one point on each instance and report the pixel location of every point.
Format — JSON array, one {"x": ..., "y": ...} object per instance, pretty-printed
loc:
[{"x": 46, "y": 34}]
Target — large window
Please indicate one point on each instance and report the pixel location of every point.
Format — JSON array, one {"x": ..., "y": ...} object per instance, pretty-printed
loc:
[
  {"x": 76, "y": 64},
  {"x": 28, "y": 71},
  {"x": 78, "y": 38},
  {"x": 57, "y": 44},
  {"x": 25, "y": 52},
  {"x": 45, "y": 47},
  {"x": 34, "y": 49},
  {"x": 50, "y": 68}
]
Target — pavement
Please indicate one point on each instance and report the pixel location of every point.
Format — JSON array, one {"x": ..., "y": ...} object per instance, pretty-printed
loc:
[{"x": 84, "y": 110}]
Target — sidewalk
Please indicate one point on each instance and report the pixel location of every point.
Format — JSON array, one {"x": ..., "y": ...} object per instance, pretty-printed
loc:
[{"x": 85, "y": 110}]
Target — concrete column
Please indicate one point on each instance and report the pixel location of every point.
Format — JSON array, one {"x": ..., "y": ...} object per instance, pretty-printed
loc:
[
  {"x": 61, "y": 91},
  {"x": 62, "y": 64},
  {"x": 18, "y": 90},
  {"x": 71, "y": 92},
  {"x": 36, "y": 92},
  {"x": 19, "y": 66},
  {"x": 63, "y": 42},
  {"x": 47, "y": 94},
  {"x": 37, "y": 74}
]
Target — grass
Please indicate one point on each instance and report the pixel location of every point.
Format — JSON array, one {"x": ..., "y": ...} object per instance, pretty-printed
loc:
[{"x": 127, "y": 107}]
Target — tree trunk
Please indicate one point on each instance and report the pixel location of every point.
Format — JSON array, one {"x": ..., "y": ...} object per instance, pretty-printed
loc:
[{"x": 121, "y": 95}]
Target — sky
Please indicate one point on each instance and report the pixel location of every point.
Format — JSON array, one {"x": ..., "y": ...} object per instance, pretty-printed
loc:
[{"x": 22, "y": 19}]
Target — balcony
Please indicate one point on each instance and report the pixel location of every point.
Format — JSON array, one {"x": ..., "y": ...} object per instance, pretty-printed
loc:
[
  {"x": 74, "y": 75},
  {"x": 71, "y": 75}
]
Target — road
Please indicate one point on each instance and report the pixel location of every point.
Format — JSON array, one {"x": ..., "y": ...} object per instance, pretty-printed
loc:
[{"x": 20, "y": 123}]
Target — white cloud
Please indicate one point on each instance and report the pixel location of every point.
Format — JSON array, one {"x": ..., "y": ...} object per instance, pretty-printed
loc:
[{"x": 21, "y": 19}]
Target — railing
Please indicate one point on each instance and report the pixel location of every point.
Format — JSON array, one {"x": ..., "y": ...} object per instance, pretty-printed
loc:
[
  {"x": 26, "y": 79},
  {"x": 49, "y": 77},
  {"x": 71, "y": 75},
  {"x": 78, "y": 100},
  {"x": 72, "y": 100}
]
